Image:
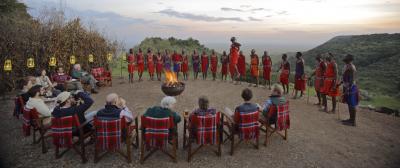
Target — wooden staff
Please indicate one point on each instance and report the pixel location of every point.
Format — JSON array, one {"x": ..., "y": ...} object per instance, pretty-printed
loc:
[{"x": 308, "y": 91}]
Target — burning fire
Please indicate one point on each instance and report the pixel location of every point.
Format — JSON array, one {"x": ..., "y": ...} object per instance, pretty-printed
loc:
[{"x": 170, "y": 78}]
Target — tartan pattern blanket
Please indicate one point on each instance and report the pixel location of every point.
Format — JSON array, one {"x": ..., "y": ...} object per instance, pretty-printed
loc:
[
  {"x": 28, "y": 120},
  {"x": 206, "y": 128},
  {"x": 18, "y": 106},
  {"x": 248, "y": 125},
  {"x": 282, "y": 120},
  {"x": 62, "y": 130},
  {"x": 156, "y": 131},
  {"x": 108, "y": 133}
]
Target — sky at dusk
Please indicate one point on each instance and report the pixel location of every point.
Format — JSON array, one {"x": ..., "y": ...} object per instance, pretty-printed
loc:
[{"x": 296, "y": 24}]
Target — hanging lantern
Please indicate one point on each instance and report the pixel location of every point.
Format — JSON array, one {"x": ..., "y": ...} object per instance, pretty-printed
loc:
[
  {"x": 72, "y": 59},
  {"x": 91, "y": 59},
  {"x": 123, "y": 57},
  {"x": 7, "y": 65},
  {"x": 109, "y": 57},
  {"x": 52, "y": 61},
  {"x": 30, "y": 63}
]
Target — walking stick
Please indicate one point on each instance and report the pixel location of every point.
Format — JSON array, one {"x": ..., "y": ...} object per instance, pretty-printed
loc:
[
  {"x": 308, "y": 91},
  {"x": 338, "y": 107}
]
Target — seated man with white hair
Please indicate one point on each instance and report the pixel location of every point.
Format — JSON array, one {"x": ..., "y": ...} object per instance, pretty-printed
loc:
[
  {"x": 165, "y": 110},
  {"x": 85, "y": 77},
  {"x": 277, "y": 99},
  {"x": 115, "y": 108}
]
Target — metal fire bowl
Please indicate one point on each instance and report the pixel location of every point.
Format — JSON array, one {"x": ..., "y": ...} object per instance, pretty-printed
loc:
[{"x": 173, "y": 90}]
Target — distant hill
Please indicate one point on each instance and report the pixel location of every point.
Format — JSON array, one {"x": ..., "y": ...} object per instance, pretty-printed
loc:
[{"x": 377, "y": 57}]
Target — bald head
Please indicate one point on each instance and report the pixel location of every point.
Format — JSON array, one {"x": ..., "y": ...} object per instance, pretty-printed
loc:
[{"x": 112, "y": 99}]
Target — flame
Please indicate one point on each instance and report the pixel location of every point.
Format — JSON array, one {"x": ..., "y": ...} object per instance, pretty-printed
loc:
[{"x": 170, "y": 78}]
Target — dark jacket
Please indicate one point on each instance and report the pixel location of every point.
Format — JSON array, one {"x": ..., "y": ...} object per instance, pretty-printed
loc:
[
  {"x": 79, "y": 109},
  {"x": 110, "y": 112},
  {"x": 159, "y": 112}
]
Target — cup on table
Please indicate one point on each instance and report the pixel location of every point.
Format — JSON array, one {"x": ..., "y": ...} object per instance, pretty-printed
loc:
[{"x": 186, "y": 113}]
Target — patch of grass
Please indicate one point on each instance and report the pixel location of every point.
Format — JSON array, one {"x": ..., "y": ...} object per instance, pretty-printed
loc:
[{"x": 385, "y": 101}]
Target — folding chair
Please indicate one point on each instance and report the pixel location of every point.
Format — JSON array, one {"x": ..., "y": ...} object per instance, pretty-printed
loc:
[
  {"x": 18, "y": 106},
  {"x": 282, "y": 122},
  {"x": 109, "y": 134},
  {"x": 32, "y": 122},
  {"x": 247, "y": 128},
  {"x": 156, "y": 134},
  {"x": 206, "y": 130},
  {"x": 62, "y": 133},
  {"x": 103, "y": 76}
]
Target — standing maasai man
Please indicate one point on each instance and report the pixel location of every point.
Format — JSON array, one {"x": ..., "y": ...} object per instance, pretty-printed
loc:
[
  {"x": 140, "y": 63},
  {"x": 214, "y": 64},
  {"x": 233, "y": 58},
  {"x": 300, "y": 76},
  {"x": 177, "y": 60},
  {"x": 196, "y": 64},
  {"x": 131, "y": 65},
  {"x": 267, "y": 67},
  {"x": 204, "y": 65},
  {"x": 150, "y": 63},
  {"x": 254, "y": 62},
  {"x": 241, "y": 66},
  {"x": 224, "y": 62},
  {"x": 159, "y": 65},
  {"x": 185, "y": 65},
  {"x": 319, "y": 77},
  {"x": 167, "y": 61},
  {"x": 350, "y": 90},
  {"x": 331, "y": 85},
  {"x": 285, "y": 72}
]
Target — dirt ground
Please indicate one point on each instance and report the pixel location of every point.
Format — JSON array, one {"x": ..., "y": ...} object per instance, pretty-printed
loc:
[{"x": 316, "y": 139}]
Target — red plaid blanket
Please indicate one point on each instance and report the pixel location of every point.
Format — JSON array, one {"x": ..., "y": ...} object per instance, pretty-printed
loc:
[
  {"x": 108, "y": 133},
  {"x": 28, "y": 120},
  {"x": 156, "y": 131},
  {"x": 248, "y": 125},
  {"x": 62, "y": 130},
  {"x": 19, "y": 106},
  {"x": 283, "y": 120},
  {"x": 206, "y": 128}
]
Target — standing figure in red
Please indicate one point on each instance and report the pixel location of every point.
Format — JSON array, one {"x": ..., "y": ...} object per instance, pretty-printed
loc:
[
  {"x": 177, "y": 61},
  {"x": 214, "y": 64},
  {"x": 233, "y": 58},
  {"x": 159, "y": 65},
  {"x": 319, "y": 73},
  {"x": 254, "y": 62},
  {"x": 185, "y": 65},
  {"x": 331, "y": 85},
  {"x": 204, "y": 65},
  {"x": 284, "y": 75},
  {"x": 150, "y": 63},
  {"x": 224, "y": 62},
  {"x": 196, "y": 64},
  {"x": 140, "y": 63},
  {"x": 300, "y": 76},
  {"x": 131, "y": 65},
  {"x": 241, "y": 66},
  {"x": 267, "y": 68}
]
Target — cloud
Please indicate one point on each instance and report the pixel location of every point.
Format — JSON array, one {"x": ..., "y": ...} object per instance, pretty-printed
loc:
[
  {"x": 231, "y": 9},
  {"x": 254, "y": 19},
  {"x": 194, "y": 17},
  {"x": 245, "y": 6},
  {"x": 269, "y": 16},
  {"x": 259, "y": 9},
  {"x": 282, "y": 13},
  {"x": 227, "y": 9}
]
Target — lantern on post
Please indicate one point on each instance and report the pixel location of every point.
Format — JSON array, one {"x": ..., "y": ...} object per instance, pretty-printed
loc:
[
  {"x": 72, "y": 59},
  {"x": 53, "y": 61},
  {"x": 7, "y": 65},
  {"x": 91, "y": 59},
  {"x": 123, "y": 57},
  {"x": 109, "y": 57},
  {"x": 30, "y": 63}
]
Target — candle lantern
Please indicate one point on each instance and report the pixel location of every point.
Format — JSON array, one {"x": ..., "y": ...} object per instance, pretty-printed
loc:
[
  {"x": 91, "y": 59},
  {"x": 72, "y": 59},
  {"x": 53, "y": 61},
  {"x": 7, "y": 65},
  {"x": 30, "y": 63},
  {"x": 109, "y": 57},
  {"x": 123, "y": 57}
]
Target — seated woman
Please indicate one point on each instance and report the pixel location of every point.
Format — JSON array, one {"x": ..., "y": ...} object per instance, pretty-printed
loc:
[
  {"x": 43, "y": 80},
  {"x": 36, "y": 102},
  {"x": 203, "y": 110},
  {"x": 62, "y": 79},
  {"x": 25, "y": 84},
  {"x": 165, "y": 110},
  {"x": 277, "y": 99},
  {"x": 115, "y": 108},
  {"x": 85, "y": 77}
]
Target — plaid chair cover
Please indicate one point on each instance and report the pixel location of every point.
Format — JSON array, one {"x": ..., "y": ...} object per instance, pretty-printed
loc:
[
  {"x": 248, "y": 125},
  {"x": 108, "y": 133},
  {"x": 156, "y": 131},
  {"x": 206, "y": 128},
  {"x": 282, "y": 120},
  {"x": 19, "y": 106},
  {"x": 62, "y": 130},
  {"x": 27, "y": 120},
  {"x": 98, "y": 73}
]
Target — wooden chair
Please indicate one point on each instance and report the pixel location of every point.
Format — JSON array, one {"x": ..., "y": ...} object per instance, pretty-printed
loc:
[
  {"x": 109, "y": 134},
  {"x": 245, "y": 125},
  {"x": 206, "y": 130},
  {"x": 103, "y": 76},
  {"x": 62, "y": 133},
  {"x": 281, "y": 123},
  {"x": 32, "y": 122},
  {"x": 156, "y": 134}
]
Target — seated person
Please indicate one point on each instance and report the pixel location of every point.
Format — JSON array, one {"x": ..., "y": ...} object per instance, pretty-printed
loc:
[
  {"x": 85, "y": 77},
  {"x": 247, "y": 106},
  {"x": 36, "y": 102},
  {"x": 115, "y": 108},
  {"x": 277, "y": 99},
  {"x": 165, "y": 110},
  {"x": 68, "y": 106},
  {"x": 43, "y": 80},
  {"x": 203, "y": 110},
  {"x": 25, "y": 84},
  {"x": 61, "y": 79}
]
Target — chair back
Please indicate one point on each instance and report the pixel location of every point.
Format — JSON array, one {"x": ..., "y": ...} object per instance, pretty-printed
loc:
[
  {"x": 156, "y": 131},
  {"x": 97, "y": 72},
  {"x": 108, "y": 133},
  {"x": 28, "y": 117},
  {"x": 206, "y": 128},
  {"x": 62, "y": 130},
  {"x": 248, "y": 125},
  {"x": 282, "y": 115},
  {"x": 18, "y": 106}
]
